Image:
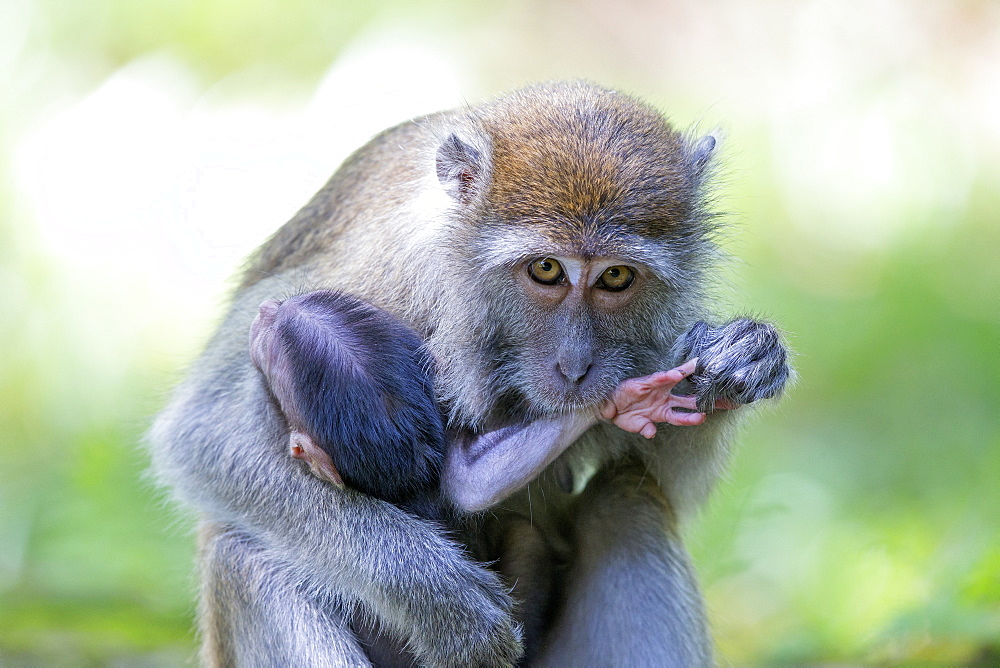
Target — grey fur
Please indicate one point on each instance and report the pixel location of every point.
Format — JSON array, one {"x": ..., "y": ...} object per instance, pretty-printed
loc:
[{"x": 436, "y": 230}]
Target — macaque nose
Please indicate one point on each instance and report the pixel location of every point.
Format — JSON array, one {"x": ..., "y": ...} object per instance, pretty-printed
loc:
[{"x": 574, "y": 369}]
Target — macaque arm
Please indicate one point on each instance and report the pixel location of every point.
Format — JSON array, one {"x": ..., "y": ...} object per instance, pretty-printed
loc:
[
  {"x": 483, "y": 469},
  {"x": 739, "y": 363}
]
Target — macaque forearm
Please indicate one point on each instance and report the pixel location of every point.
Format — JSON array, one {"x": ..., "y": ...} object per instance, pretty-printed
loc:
[{"x": 240, "y": 472}]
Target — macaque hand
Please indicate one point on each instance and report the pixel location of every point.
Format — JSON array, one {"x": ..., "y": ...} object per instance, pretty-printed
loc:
[
  {"x": 638, "y": 404},
  {"x": 738, "y": 363}
]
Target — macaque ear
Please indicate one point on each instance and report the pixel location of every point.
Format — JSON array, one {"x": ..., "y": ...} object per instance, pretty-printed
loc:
[
  {"x": 702, "y": 151},
  {"x": 459, "y": 168}
]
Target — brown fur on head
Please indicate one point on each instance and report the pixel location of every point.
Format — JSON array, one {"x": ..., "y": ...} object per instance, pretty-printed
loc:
[
  {"x": 574, "y": 171},
  {"x": 599, "y": 163}
]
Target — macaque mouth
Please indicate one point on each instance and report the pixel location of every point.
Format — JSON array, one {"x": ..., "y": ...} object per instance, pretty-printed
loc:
[{"x": 589, "y": 392}]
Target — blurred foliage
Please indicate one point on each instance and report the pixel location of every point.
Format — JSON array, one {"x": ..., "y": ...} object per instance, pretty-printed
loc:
[
  {"x": 861, "y": 519},
  {"x": 862, "y": 522}
]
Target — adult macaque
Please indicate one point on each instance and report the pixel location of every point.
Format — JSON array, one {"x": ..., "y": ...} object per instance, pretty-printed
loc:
[{"x": 546, "y": 246}]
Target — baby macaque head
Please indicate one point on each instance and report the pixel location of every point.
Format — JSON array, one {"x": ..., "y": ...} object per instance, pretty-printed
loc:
[{"x": 355, "y": 383}]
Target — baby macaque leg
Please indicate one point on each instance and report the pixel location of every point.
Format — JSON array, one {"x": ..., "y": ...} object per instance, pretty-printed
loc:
[{"x": 482, "y": 469}]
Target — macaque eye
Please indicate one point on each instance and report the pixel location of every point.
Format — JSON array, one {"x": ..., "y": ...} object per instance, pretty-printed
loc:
[
  {"x": 546, "y": 271},
  {"x": 616, "y": 279}
]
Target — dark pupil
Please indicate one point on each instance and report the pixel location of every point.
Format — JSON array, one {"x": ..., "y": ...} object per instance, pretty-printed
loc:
[
  {"x": 614, "y": 272},
  {"x": 546, "y": 266}
]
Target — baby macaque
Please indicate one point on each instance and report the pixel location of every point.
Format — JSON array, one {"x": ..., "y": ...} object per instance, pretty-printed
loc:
[{"x": 356, "y": 388}]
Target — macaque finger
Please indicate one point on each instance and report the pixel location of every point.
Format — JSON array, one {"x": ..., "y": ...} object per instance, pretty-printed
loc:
[
  {"x": 635, "y": 390},
  {"x": 683, "y": 419},
  {"x": 609, "y": 410},
  {"x": 683, "y": 401},
  {"x": 676, "y": 410},
  {"x": 632, "y": 389},
  {"x": 631, "y": 422},
  {"x": 688, "y": 367},
  {"x": 681, "y": 372},
  {"x": 648, "y": 431},
  {"x": 668, "y": 378}
]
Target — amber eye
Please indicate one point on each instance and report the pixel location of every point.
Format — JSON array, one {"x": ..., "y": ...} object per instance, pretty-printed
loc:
[
  {"x": 545, "y": 271},
  {"x": 616, "y": 279}
]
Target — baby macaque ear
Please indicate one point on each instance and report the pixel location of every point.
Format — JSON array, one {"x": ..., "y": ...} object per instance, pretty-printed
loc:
[
  {"x": 460, "y": 168},
  {"x": 302, "y": 446}
]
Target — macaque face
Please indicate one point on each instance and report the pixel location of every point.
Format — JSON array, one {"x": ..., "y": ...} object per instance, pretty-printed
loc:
[
  {"x": 582, "y": 327},
  {"x": 586, "y": 234},
  {"x": 573, "y": 298}
]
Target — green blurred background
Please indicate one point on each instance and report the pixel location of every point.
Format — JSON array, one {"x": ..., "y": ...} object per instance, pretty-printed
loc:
[{"x": 148, "y": 146}]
